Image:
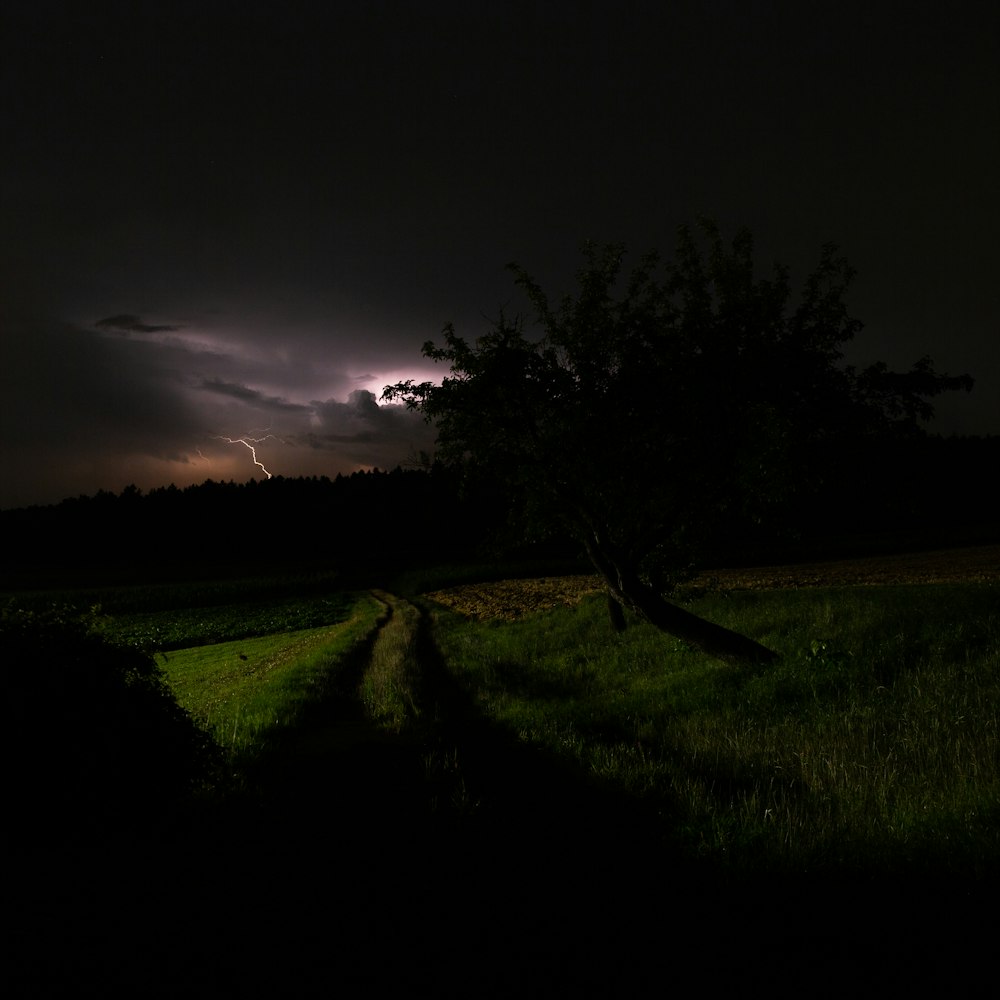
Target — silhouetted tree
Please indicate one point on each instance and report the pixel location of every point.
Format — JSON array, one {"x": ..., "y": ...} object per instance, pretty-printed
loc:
[{"x": 661, "y": 412}]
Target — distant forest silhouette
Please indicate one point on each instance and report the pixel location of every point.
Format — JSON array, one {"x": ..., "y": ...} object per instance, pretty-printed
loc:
[
  {"x": 929, "y": 491},
  {"x": 365, "y": 520}
]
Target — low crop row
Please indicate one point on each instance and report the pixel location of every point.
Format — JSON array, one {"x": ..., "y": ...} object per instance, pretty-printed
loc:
[{"x": 177, "y": 628}]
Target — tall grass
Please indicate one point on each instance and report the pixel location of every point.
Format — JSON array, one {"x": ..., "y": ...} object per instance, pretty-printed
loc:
[{"x": 872, "y": 746}]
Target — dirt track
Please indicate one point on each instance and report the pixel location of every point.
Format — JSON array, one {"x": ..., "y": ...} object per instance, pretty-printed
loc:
[{"x": 512, "y": 599}]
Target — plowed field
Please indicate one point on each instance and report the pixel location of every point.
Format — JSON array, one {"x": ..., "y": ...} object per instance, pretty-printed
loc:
[{"x": 513, "y": 599}]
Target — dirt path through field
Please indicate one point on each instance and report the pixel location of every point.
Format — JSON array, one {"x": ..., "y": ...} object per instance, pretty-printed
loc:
[
  {"x": 462, "y": 787},
  {"x": 447, "y": 858},
  {"x": 449, "y": 765},
  {"x": 449, "y": 768}
]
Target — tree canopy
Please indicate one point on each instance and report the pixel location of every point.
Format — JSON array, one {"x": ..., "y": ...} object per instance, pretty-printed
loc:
[{"x": 667, "y": 410}]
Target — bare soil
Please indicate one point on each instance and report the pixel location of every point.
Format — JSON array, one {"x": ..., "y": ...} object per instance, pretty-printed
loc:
[{"x": 513, "y": 599}]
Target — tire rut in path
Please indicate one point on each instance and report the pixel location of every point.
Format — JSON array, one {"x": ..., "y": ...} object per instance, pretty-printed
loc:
[
  {"x": 454, "y": 791},
  {"x": 517, "y": 803},
  {"x": 447, "y": 847},
  {"x": 343, "y": 779}
]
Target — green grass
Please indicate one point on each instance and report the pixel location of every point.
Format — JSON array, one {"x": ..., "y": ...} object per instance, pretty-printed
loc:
[
  {"x": 243, "y": 656},
  {"x": 389, "y": 688},
  {"x": 249, "y": 691},
  {"x": 872, "y": 746}
]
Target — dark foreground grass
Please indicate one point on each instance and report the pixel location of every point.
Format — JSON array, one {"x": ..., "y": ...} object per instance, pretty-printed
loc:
[
  {"x": 870, "y": 748},
  {"x": 409, "y": 835}
]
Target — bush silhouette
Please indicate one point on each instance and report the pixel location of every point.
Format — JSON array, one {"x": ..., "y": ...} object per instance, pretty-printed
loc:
[{"x": 100, "y": 744}]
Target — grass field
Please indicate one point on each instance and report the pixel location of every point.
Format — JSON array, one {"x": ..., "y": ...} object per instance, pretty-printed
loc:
[
  {"x": 486, "y": 777},
  {"x": 871, "y": 747},
  {"x": 247, "y": 691},
  {"x": 242, "y": 656}
]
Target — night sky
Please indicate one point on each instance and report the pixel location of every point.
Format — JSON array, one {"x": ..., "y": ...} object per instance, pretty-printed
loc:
[{"x": 232, "y": 219}]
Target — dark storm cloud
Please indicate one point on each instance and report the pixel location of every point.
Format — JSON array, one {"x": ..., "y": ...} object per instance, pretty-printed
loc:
[
  {"x": 361, "y": 419},
  {"x": 262, "y": 205},
  {"x": 72, "y": 386},
  {"x": 84, "y": 411},
  {"x": 126, "y": 323},
  {"x": 368, "y": 433},
  {"x": 252, "y": 396}
]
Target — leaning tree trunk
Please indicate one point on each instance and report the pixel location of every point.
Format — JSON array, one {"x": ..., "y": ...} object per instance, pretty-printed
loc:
[
  {"x": 714, "y": 640},
  {"x": 616, "y": 613}
]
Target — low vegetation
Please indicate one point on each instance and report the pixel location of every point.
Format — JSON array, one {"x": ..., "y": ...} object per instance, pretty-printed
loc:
[
  {"x": 870, "y": 747},
  {"x": 142, "y": 711},
  {"x": 249, "y": 692},
  {"x": 178, "y": 615},
  {"x": 102, "y": 746}
]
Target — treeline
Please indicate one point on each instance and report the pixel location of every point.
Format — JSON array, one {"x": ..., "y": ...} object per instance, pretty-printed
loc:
[
  {"x": 365, "y": 521},
  {"x": 882, "y": 495},
  {"x": 925, "y": 492}
]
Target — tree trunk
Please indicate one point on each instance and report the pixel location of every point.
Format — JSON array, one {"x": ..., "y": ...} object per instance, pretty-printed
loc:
[
  {"x": 713, "y": 640},
  {"x": 616, "y": 613}
]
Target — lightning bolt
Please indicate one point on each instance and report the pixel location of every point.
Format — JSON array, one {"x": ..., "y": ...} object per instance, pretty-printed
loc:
[{"x": 249, "y": 442}]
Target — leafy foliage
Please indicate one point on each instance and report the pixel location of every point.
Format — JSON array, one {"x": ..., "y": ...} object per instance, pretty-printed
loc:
[
  {"x": 681, "y": 404},
  {"x": 664, "y": 414},
  {"x": 102, "y": 744},
  {"x": 183, "y": 627}
]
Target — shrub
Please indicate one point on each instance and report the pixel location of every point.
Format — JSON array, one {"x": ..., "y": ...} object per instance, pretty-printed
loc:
[{"x": 99, "y": 741}]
